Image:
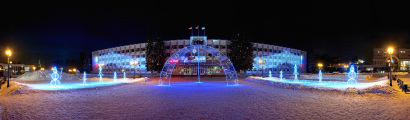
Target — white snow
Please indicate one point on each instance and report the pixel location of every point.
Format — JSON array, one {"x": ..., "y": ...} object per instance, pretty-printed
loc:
[
  {"x": 211, "y": 99},
  {"x": 44, "y": 75}
]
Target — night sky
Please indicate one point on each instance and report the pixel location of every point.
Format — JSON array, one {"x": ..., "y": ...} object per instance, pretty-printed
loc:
[{"x": 338, "y": 28}]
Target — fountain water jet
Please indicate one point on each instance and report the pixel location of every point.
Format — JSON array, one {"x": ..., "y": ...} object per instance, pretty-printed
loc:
[
  {"x": 295, "y": 72},
  {"x": 281, "y": 75},
  {"x": 115, "y": 76},
  {"x": 124, "y": 76},
  {"x": 84, "y": 78},
  {"x": 270, "y": 73},
  {"x": 100, "y": 74},
  {"x": 320, "y": 77}
]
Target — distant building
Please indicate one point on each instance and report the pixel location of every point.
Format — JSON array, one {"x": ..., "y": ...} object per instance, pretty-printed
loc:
[
  {"x": 277, "y": 57},
  {"x": 15, "y": 68},
  {"x": 400, "y": 56}
]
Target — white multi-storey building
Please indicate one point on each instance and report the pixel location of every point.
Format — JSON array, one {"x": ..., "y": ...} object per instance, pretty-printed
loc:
[{"x": 277, "y": 58}]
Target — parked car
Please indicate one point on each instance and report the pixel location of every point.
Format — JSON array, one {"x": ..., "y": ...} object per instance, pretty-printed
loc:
[{"x": 336, "y": 72}]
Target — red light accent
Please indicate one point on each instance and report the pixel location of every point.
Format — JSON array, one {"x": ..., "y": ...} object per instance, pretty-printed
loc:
[
  {"x": 301, "y": 65},
  {"x": 173, "y": 61}
]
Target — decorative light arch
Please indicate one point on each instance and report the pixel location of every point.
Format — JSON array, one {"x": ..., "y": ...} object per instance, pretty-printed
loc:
[{"x": 225, "y": 62}]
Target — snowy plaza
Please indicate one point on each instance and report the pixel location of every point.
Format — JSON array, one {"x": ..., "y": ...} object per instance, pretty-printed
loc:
[
  {"x": 205, "y": 60},
  {"x": 252, "y": 98}
]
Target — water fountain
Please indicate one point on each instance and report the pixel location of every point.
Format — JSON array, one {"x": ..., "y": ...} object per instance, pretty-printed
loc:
[
  {"x": 54, "y": 78},
  {"x": 281, "y": 75},
  {"x": 84, "y": 78},
  {"x": 320, "y": 77},
  {"x": 295, "y": 72},
  {"x": 61, "y": 73},
  {"x": 124, "y": 76},
  {"x": 352, "y": 75},
  {"x": 270, "y": 73},
  {"x": 115, "y": 76},
  {"x": 100, "y": 74}
]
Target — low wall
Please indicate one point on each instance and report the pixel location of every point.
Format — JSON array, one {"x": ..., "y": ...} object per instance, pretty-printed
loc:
[{"x": 332, "y": 77}]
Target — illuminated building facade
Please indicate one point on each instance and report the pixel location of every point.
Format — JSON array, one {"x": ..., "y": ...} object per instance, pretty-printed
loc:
[
  {"x": 277, "y": 58},
  {"x": 400, "y": 56}
]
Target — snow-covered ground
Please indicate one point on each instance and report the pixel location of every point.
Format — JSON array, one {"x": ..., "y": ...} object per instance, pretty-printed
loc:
[{"x": 186, "y": 99}]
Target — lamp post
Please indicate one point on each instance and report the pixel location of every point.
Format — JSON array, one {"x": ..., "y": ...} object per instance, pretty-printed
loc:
[
  {"x": 390, "y": 51},
  {"x": 34, "y": 68},
  {"x": 134, "y": 63},
  {"x": 345, "y": 66},
  {"x": 8, "y": 53},
  {"x": 262, "y": 62}
]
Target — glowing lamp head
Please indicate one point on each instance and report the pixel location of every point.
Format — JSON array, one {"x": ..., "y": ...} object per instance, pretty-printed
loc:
[
  {"x": 74, "y": 70},
  {"x": 34, "y": 68},
  {"x": 320, "y": 65},
  {"x": 390, "y": 50},
  {"x": 132, "y": 62},
  {"x": 8, "y": 52}
]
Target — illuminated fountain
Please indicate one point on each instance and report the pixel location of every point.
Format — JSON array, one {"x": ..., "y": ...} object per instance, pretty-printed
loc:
[
  {"x": 124, "y": 76},
  {"x": 334, "y": 84},
  {"x": 320, "y": 77},
  {"x": 54, "y": 78},
  {"x": 100, "y": 73},
  {"x": 295, "y": 72},
  {"x": 270, "y": 73},
  {"x": 352, "y": 75},
  {"x": 115, "y": 76},
  {"x": 84, "y": 78},
  {"x": 61, "y": 73},
  {"x": 281, "y": 75}
]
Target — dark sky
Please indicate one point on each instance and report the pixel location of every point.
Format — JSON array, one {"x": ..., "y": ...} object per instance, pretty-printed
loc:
[{"x": 339, "y": 28}]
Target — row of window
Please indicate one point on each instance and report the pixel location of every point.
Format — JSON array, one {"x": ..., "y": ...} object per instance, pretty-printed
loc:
[
  {"x": 125, "y": 51},
  {"x": 123, "y": 63},
  {"x": 271, "y": 50},
  {"x": 401, "y": 51},
  {"x": 214, "y": 46}
]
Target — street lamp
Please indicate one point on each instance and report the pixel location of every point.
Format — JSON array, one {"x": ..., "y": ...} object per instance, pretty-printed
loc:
[
  {"x": 134, "y": 63},
  {"x": 262, "y": 62},
  {"x": 34, "y": 68},
  {"x": 8, "y": 53},
  {"x": 320, "y": 65},
  {"x": 390, "y": 51}
]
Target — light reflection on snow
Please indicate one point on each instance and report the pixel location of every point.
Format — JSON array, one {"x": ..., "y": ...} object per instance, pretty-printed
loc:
[{"x": 325, "y": 84}]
